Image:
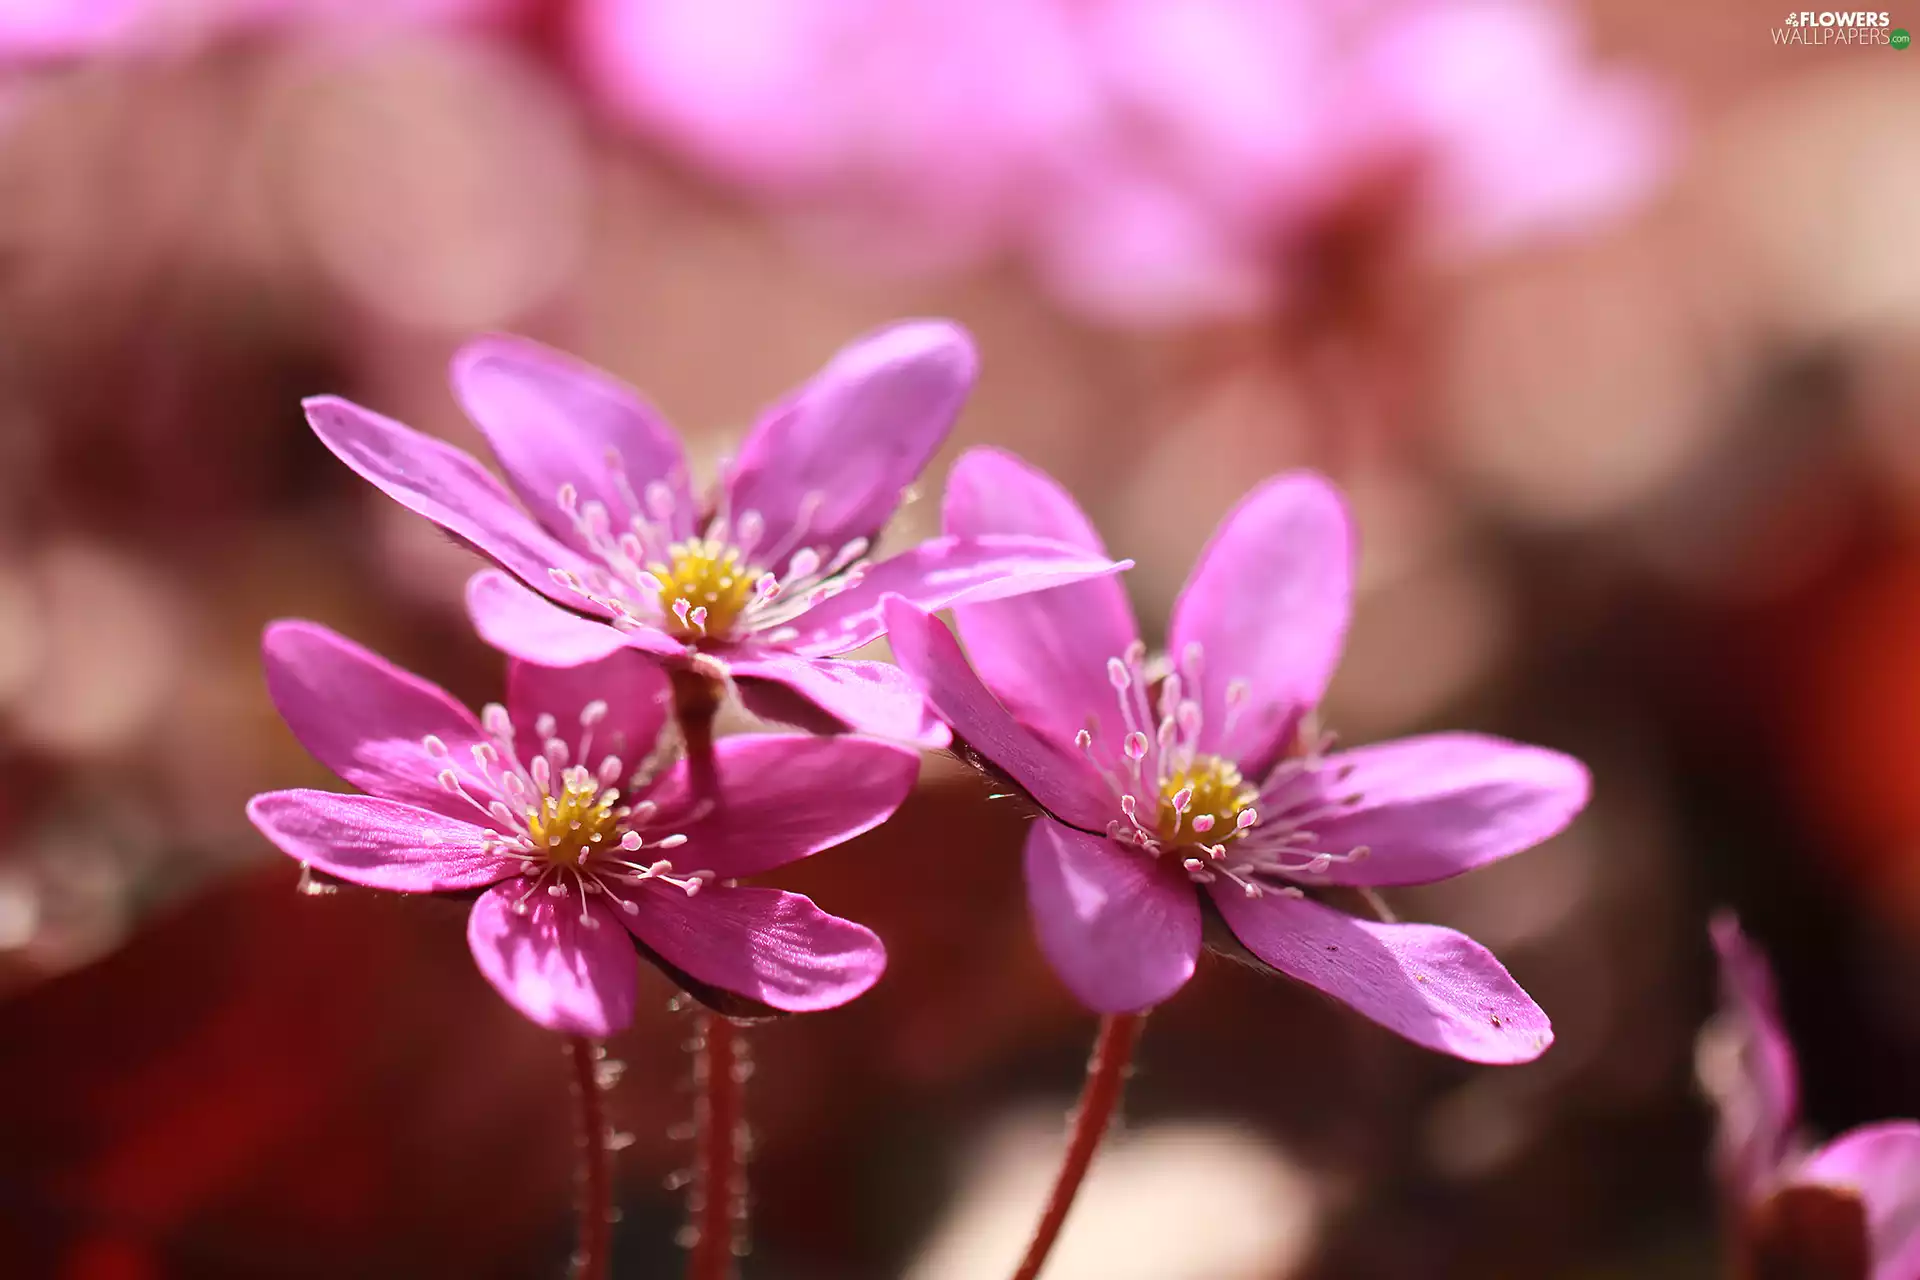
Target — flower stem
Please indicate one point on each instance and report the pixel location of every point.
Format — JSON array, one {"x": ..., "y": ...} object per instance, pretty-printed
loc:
[
  {"x": 696, "y": 700},
  {"x": 719, "y": 1196},
  {"x": 1106, "y": 1077},
  {"x": 594, "y": 1254},
  {"x": 718, "y": 1202}
]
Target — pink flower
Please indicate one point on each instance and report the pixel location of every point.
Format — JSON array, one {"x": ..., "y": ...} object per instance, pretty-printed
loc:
[
  {"x": 1172, "y": 785},
  {"x": 582, "y": 844},
  {"x": 1152, "y": 162},
  {"x": 1748, "y": 1066},
  {"x": 761, "y": 583}
]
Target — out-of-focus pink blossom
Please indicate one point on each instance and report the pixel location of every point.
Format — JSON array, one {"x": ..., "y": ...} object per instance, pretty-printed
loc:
[
  {"x": 1151, "y": 161},
  {"x": 1747, "y": 1065}
]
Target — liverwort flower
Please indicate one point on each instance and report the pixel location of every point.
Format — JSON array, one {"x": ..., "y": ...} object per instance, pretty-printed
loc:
[
  {"x": 1177, "y": 788},
  {"x": 763, "y": 581},
  {"x": 564, "y": 812},
  {"x": 1747, "y": 1066}
]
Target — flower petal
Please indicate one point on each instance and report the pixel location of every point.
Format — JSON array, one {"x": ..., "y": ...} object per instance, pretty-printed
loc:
[
  {"x": 1121, "y": 929},
  {"x": 1759, "y": 1102},
  {"x": 1437, "y": 988},
  {"x": 1268, "y": 605},
  {"x": 568, "y": 968},
  {"x": 626, "y": 696},
  {"x": 555, "y": 421},
  {"x": 783, "y": 797},
  {"x": 1044, "y": 655},
  {"x": 382, "y": 844},
  {"x": 445, "y": 485},
  {"x": 1064, "y": 783},
  {"x": 1435, "y": 806},
  {"x": 941, "y": 572},
  {"x": 766, "y": 944},
  {"x": 1882, "y": 1163},
  {"x": 836, "y": 695},
  {"x": 532, "y": 628},
  {"x": 369, "y": 721},
  {"x": 828, "y": 465}
]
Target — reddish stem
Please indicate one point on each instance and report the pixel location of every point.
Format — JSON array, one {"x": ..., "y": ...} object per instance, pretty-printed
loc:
[
  {"x": 1106, "y": 1077},
  {"x": 719, "y": 1195},
  {"x": 696, "y": 700},
  {"x": 594, "y": 1255}
]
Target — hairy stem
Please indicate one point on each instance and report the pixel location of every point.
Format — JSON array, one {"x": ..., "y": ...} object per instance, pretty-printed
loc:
[
  {"x": 1106, "y": 1077},
  {"x": 719, "y": 1198},
  {"x": 594, "y": 1254},
  {"x": 718, "y": 1203}
]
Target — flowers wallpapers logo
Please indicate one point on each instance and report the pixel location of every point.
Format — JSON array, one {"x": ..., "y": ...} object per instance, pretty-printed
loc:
[{"x": 1831, "y": 27}]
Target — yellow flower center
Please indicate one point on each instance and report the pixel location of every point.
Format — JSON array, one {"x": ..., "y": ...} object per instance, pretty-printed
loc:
[
  {"x": 1201, "y": 803},
  {"x": 705, "y": 587},
  {"x": 572, "y": 824}
]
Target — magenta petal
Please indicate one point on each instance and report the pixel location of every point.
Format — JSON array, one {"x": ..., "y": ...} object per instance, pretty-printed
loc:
[
  {"x": 836, "y": 695},
  {"x": 765, "y": 944},
  {"x": 1436, "y": 806},
  {"x": 568, "y": 968},
  {"x": 438, "y": 481},
  {"x": 1761, "y": 1107},
  {"x": 369, "y": 721},
  {"x": 533, "y": 629},
  {"x": 942, "y": 572},
  {"x": 634, "y": 701},
  {"x": 1044, "y": 655},
  {"x": 1121, "y": 929},
  {"x": 1268, "y": 605},
  {"x": 828, "y": 465},
  {"x": 1066, "y": 784},
  {"x": 782, "y": 798},
  {"x": 1437, "y": 988},
  {"x": 1882, "y": 1163},
  {"x": 382, "y": 844},
  {"x": 554, "y": 421}
]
